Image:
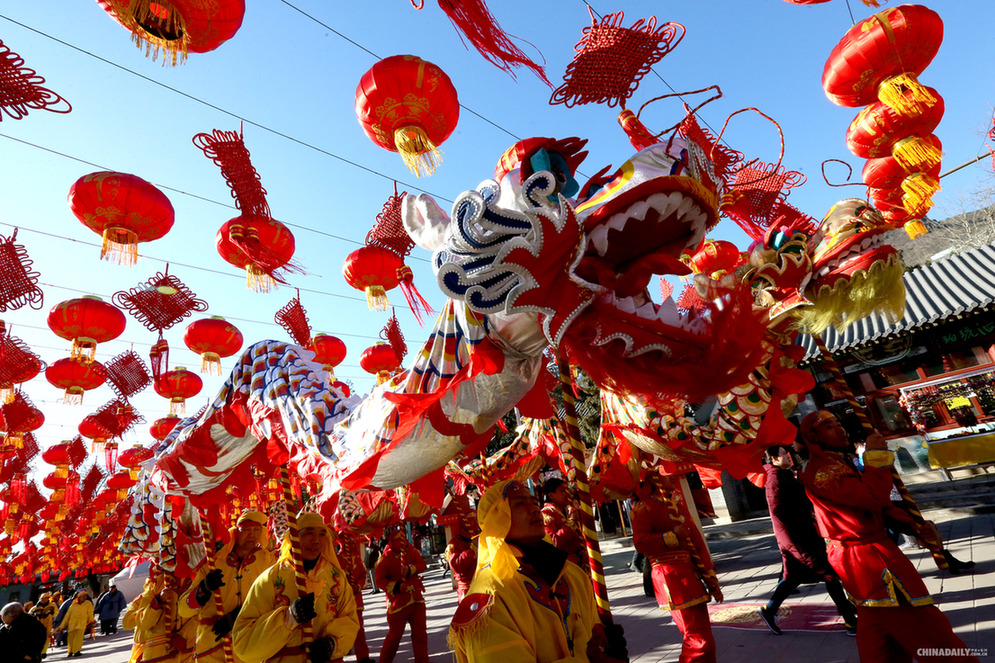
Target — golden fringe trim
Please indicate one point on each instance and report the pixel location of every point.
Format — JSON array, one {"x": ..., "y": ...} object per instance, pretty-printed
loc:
[
  {"x": 177, "y": 406},
  {"x": 83, "y": 350},
  {"x": 871, "y": 3},
  {"x": 905, "y": 95},
  {"x": 914, "y": 153},
  {"x": 73, "y": 396},
  {"x": 420, "y": 155},
  {"x": 257, "y": 280},
  {"x": 455, "y": 636},
  {"x": 916, "y": 228},
  {"x": 879, "y": 289},
  {"x": 119, "y": 245},
  {"x": 210, "y": 363},
  {"x": 919, "y": 188},
  {"x": 7, "y": 394},
  {"x": 376, "y": 298},
  {"x": 138, "y": 16},
  {"x": 382, "y": 376}
]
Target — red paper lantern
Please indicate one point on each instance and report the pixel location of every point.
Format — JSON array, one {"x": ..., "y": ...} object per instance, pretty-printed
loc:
[
  {"x": 212, "y": 338},
  {"x": 86, "y": 321},
  {"x": 881, "y": 57},
  {"x": 409, "y": 106},
  {"x": 160, "y": 428},
  {"x": 121, "y": 480},
  {"x": 374, "y": 270},
  {"x": 329, "y": 351},
  {"x": 124, "y": 209},
  {"x": 76, "y": 377},
  {"x": 132, "y": 458},
  {"x": 177, "y": 26},
  {"x": 878, "y": 131},
  {"x": 178, "y": 385},
  {"x": 57, "y": 454},
  {"x": 259, "y": 245},
  {"x": 715, "y": 256},
  {"x": 380, "y": 360}
]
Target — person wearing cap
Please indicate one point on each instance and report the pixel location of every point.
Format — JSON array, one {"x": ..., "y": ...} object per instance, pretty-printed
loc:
[
  {"x": 236, "y": 566},
  {"x": 560, "y": 528},
  {"x": 670, "y": 546},
  {"x": 135, "y": 609},
  {"x": 895, "y": 612},
  {"x": 527, "y": 602},
  {"x": 44, "y": 611},
  {"x": 108, "y": 609},
  {"x": 398, "y": 574},
  {"x": 79, "y": 616},
  {"x": 21, "y": 635},
  {"x": 270, "y": 626},
  {"x": 349, "y": 552}
]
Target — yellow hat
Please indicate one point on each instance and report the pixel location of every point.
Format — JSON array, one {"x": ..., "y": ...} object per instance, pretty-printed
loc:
[
  {"x": 256, "y": 517},
  {"x": 45, "y": 595}
]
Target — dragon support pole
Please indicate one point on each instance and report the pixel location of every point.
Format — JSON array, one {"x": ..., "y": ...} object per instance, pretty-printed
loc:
[
  {"x": 576, "y": 461},
  {"x": 934, "y": 545},
  {"x": 210, "y": 554},
  {"x": 295, "y": 548}
]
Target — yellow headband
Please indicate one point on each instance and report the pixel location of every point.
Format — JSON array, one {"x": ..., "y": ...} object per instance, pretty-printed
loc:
[{"x": 256, "y": 517}]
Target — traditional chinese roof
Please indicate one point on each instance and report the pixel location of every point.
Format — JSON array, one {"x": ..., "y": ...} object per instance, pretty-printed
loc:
[{"x": 955, "y": 285}]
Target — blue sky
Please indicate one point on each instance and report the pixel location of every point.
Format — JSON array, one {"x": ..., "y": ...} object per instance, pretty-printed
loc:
[{"x": 285, "y": 73}]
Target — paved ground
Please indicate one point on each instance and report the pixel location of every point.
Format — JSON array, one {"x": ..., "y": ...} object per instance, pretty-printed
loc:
[{"x": 748, "y": 567}]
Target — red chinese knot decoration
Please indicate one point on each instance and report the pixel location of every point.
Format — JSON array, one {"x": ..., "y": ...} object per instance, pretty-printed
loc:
[
  {"x": 21, "y": 88},
  {"x": 160, "y": 302},
  {"x": 227, "y": 150},
  {"x": 611, "y": 59},
  {"x": 293, "y": 318},
  {"x": 18, "y": 284},
  {"x": 409, "y": 106},
  {"x": 17, "y": 363},
  {"x": 123, "y": 209},
  {"x": 177, "y": 27},
  {"x": 127, "y": 374}
]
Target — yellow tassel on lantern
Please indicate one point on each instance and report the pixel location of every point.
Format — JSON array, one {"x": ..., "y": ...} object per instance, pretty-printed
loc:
[
  {"x": 420, "y": 155},
  {"x": 914, "y": 153},
  {"x": 871, "y": 3},
  {"x": 83, "y": 349},
  {"x": 919, "y": 188},
  {"x": 905, "y": 95},
  {"x": 210, "y": 362},
  {"x": 376, "y": 298},
  {"x": 257, "y": 280},
  {"x": 382, "y": 376},
  {"x": 916, "y": 228},
  {"x": 177, "y": 406},
  {"x": 7, "y": 393},
  {"x": 120, "y": 245},
  {"x": 73, "y": 396},
  {"x": 156, "y": 24}
]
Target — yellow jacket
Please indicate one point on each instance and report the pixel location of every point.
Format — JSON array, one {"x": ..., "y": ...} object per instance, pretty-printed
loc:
[
  {"x": 45, "y": 614},
  {"x": 265, "y": 629},
  {"x": 79, "y": 616},
  {"x": 165, "y": 642},
  {"x": 238, "y": 574},
  {"x": 509, "y": 623}
]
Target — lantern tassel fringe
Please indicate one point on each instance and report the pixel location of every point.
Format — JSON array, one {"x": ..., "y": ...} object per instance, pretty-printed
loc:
[
  {"x": 177, "y": 406},
  {"x": 210, "y": 363},
  {"x": 916, "y": 154},
  {"x": 919, "y": 188},
  {"x": 258, "y": 280},
  {"x": 144, "y": 19},
  {"x": 420, "y": 155},
  {"x": 376, "y": 298},
  {"x": 916, "y": 228},
  {"x": 119, "y": 245},
  {"x": 7, "y": 394},
  {"x": 419, "y": 307},
  {"x": 83, "y": 350},
  {"x": 905, "y": 95}
]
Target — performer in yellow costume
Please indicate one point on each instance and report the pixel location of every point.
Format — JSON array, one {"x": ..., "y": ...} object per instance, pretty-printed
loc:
[
  {"x": 130, "y": 620},
  {"x": 236, "y": 567},
  {"x": 44, "y": 612},
  {"x": 78, "y": 617},
  {"x": 168, "y": 637},
  {"x": 270, "y": 624},
  {"x": 526, "y": 601}
]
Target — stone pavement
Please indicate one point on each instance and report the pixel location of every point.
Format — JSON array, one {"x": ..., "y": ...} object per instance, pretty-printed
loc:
[{"x": 748, "y": 565}]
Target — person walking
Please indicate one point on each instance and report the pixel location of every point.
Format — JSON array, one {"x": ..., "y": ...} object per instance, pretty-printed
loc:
[
  {"x": 79, "y": 616},
  {"x": 803, "y": 551},
  {"x": 22, "y": 636},
  {"x": 398, "y": 573},
  {"x": 44, "y": 611},
  {"x": 108, "y": 609}
]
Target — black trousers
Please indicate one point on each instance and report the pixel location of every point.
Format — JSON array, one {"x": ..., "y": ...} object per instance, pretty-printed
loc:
[{"x": 835, "y": 589}]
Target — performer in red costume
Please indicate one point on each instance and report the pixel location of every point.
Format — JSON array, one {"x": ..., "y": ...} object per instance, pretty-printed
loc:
[
  {"x": 559, "y": 526},
  {"x": 896, "y": 617},
  {"x": 397, "y": 573},
  {"x": 683, "y": 576},
  {"x": 347, "y": 549}
]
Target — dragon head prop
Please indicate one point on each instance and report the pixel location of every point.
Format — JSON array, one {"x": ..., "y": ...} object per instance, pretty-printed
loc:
[
  {"x": 831, "y": 274},
  {"x": 520, "y": 247}
]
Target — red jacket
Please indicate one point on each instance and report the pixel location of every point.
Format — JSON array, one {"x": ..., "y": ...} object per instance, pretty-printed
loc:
[
  {"x": 347, "y": 550},
  {"x": 462, "y": 557},
  {"x": 563, "y": 535},
  {"x": 849, "y": 508},
  {"x": 397, "y": 574}
]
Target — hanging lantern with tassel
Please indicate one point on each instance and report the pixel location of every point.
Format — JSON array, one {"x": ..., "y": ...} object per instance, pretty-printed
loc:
[
  {"x": 329, "y": 351},
  {"x": 178, "y": 385},
  {"x": 262, "y": 246},
  {"x": 86, "y": 321},
  {"x": 409, "y": 106},
  {"x": 212, "y": 338}
]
